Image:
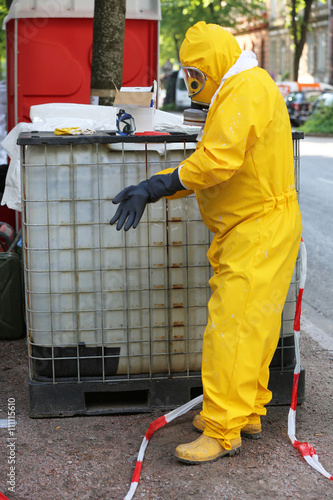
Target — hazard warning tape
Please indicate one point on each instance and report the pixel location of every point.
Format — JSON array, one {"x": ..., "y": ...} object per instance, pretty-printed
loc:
[
  {"x": 306, "y": 449},
  {"x": 154, "y": 426},
  {"x": 2, "y": 497}
]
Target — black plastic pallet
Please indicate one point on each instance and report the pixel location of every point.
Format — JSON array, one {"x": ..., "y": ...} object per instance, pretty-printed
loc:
[{"x": 66, "y": 399}]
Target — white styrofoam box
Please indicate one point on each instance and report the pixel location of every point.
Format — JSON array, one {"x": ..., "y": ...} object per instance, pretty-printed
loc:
[{"x": 143, "y": 116}]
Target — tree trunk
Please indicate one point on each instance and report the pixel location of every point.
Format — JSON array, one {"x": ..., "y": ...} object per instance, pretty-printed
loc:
[
  {"x": 108, "y": 48},
  {"x": 299, "y": 31},
  {"x": 176, "y": 40}
]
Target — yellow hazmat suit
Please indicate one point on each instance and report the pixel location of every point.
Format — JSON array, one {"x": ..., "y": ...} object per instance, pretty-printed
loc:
[{"x": 242, "y": 173}]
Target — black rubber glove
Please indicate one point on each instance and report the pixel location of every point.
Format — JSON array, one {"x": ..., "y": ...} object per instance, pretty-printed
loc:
[{"x": 133, "y": 199}]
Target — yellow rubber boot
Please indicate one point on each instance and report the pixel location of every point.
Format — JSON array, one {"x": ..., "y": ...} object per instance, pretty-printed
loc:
[
  {"x": 206, "y": 449},
  {"x": 252, "y": 430}
]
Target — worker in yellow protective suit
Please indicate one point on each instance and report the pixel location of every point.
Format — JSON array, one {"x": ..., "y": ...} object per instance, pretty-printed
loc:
[{"x": 242, "y": 173}]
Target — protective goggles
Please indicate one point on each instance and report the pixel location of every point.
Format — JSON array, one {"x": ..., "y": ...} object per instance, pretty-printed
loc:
[
  {"x": 125, "y": 123},
  {"x": 194, "y": 80}
]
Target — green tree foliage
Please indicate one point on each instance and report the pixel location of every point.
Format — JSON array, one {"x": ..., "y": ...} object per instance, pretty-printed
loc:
[
  {"x": 179, "y": 15},
  {"x": 4, "y": 6},
  {"x": 320, "y": 122}
]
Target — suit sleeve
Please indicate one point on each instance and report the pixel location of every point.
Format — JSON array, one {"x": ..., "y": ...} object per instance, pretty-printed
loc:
[{"x": 179, "y": 194}]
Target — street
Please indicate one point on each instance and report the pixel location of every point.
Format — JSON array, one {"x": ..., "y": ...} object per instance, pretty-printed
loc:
[{"x": 316, "y": 205}]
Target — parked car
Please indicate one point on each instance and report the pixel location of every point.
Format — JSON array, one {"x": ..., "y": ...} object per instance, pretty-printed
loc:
[
  {"x": 299, "y": 105},
  {"x": 324, "y": 100},
  {"x": 182, "y": 99},
  {"x": 286, "y": 87}
]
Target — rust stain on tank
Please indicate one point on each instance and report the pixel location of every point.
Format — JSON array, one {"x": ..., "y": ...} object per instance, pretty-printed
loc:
[
  {"x": 178, "y": 305},
  {"x": 158, "y": 286},
  {"x": 176, "y": 264},
  {"x": 158, "y": 243},
  {"x": 176, "y": 219},
  {"x": 178, "y": 323},
  {"x": 177, "y": 287},
  {"x": 176, "y": 243}
]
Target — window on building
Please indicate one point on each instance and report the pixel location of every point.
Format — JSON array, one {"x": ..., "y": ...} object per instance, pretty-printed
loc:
[
  {"x": 310, "y": 42},
  {"x": 283, "y": 57},
  {"x": 272, "y": 58},
  {"x": 272, "y": 10},
  {"x": 281, "y": 7},
  {"x": 321, "y": 51}
]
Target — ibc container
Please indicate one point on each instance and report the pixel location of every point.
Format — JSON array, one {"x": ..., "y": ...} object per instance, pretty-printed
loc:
[{"x": 115, "y": 320}]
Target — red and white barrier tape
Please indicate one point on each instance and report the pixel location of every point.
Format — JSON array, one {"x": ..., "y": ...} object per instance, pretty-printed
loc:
[
  {"x": 307, "y": 450},
  {"x": 154, "y": 426}
]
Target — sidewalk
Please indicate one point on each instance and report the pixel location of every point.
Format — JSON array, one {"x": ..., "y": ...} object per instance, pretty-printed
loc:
[{"x": 87, "y": 458}]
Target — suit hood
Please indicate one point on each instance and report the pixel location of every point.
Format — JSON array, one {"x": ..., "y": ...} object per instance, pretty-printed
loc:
[{"x": 210, "y": 48}]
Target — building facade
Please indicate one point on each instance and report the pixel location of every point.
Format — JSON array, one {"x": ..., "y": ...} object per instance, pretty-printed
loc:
[{"x": 271, "y": 41}]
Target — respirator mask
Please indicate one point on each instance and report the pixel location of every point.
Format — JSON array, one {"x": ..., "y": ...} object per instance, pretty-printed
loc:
[{"x": 199, "y": 90}]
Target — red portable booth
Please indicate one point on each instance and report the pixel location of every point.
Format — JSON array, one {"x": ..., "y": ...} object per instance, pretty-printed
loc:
[{"x": 49, "y": 51}]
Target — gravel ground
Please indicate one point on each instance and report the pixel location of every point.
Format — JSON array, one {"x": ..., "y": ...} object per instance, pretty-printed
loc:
[{"x": 94, "y": 457}]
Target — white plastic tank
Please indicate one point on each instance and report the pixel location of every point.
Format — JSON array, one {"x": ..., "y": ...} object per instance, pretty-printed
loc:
[
  {"x": 133, "y": 302},
  {"x": 144, "y": 292}
]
